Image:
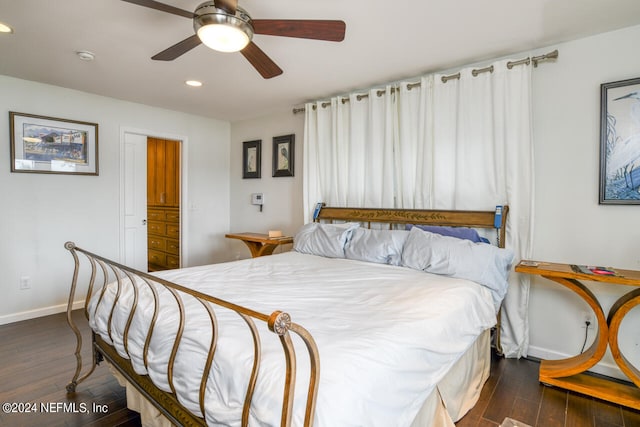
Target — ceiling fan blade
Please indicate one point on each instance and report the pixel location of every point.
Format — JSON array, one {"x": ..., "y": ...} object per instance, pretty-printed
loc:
[
  {"x": 162, "y": 7},
  {"x": 302, "y": 28},
  {"x": 178, "y": 49},
  {"x": 228, "y": 6},
  {"x": 260, "y": 61}
]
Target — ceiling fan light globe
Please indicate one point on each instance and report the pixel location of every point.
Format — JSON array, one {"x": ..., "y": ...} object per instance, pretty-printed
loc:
[
  {"x": 4, "y": 28},
  {"x": 220, "y": 30},
  {"x": 223, "y": 38}
]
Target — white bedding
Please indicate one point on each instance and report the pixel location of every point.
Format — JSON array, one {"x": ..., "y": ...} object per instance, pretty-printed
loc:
[{"x": 386, "y": 336}]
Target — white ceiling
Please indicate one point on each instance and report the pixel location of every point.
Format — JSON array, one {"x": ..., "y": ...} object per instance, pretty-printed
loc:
[{"x": 385, "y": 41}]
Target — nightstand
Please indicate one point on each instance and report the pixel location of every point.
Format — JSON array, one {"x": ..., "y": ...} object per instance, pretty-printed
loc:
[{"x": 260, "y": 244}]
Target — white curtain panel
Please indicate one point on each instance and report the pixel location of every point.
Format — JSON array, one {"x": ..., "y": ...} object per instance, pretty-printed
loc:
[
  {"x": 461, "y": 144},
  {"x": 482, "y": 156},
  {"x": 348, "y": 155},
  {"x": 414, "y": 145}
]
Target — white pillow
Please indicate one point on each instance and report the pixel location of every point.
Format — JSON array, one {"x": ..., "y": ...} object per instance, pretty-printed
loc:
[
  {"x": 380, "y": 246},
  {"x": 485, "y": 264},
  {"x": 327, "y": 240}
]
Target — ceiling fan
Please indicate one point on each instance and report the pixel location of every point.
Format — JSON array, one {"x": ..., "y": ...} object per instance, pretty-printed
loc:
[{"x": 223, "y": 25}]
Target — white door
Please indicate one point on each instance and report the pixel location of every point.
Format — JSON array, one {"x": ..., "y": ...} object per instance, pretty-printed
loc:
[{"x": 134, "y": 201}]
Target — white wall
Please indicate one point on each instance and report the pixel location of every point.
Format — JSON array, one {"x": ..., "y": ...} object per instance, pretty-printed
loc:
[
  {"x": 570, "y": 225},
  {"x": 283, "y": 195},
  {"x": 42, "y": 211}
]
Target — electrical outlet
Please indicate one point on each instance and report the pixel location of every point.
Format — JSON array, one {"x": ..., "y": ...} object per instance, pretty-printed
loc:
[
  {"x": 587, "y": 317},
  {"x": 25, "y": 282}
]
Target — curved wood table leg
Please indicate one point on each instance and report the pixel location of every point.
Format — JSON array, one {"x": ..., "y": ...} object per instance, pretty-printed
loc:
[
  {"x": 570, "y": 373},
  {"x": 617, "y": 313},
  {"x": 574, "y": 365},
  {"x": 260, "y": 249}
]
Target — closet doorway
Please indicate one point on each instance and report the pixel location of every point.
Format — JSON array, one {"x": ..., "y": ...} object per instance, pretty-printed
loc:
[
  {"x": 163, "y": 204},
  {"x": 152, "y": 193}
]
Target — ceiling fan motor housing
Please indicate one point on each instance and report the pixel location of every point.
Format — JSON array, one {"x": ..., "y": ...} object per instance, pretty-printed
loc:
[{"x": 208, "y": 14}]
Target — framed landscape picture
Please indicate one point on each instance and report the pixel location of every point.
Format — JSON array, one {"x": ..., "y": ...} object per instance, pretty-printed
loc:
[
  {"x": 42, "y": 144},
  {"x": 620, "y": 142}
]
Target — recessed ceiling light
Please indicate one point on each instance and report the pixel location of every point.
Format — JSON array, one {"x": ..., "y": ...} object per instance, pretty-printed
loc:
[
  {"x": 86, "y": 55},
  {"x": 4, "y": 28},
  {"x": 193, "y": 83}
]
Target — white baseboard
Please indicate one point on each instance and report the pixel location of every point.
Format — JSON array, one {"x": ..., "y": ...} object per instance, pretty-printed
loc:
[
  {"x": 602, "y": 368},
  {"x": 39, "y": 312}
]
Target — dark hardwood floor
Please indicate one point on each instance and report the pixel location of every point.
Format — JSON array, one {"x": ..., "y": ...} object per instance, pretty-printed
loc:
[
  {"x": 513, "y": 391},
  {"x": 36, "y": 363}
]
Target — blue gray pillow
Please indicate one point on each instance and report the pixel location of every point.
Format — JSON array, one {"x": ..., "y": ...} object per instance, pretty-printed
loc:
[
  {"x": 458, "y": 232},
  {"x": 327, "y": 240},
  {"x": 380, "y": 246},
  {"x": 486, "y": 265}
]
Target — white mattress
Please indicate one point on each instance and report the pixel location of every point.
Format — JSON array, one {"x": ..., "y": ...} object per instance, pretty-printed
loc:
[{"x": 386, "y": 336}]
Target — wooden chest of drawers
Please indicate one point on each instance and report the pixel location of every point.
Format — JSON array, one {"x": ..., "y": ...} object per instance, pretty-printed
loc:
[{"x": 163, "y": 238}]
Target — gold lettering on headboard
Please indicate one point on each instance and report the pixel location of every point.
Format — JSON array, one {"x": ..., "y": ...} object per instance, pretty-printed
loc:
[
  {"x": 385, "y": 215},
  {"x": 396, "y": 215}
]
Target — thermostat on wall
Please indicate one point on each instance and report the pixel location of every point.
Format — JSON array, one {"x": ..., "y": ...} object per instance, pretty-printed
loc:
[{"x": 257, "y": 199}]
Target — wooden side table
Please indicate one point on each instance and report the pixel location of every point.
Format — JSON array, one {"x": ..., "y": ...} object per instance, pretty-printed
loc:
[
  {"x": 569, "y": 373},
  {"x": 260, "y": 244}
]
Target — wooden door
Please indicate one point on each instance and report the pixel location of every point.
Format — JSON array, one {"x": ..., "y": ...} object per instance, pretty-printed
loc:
[
  {"x": 172, "y": 173},
  {"x": 163, "y": 178},
  {"x": 155, "y": 177}
]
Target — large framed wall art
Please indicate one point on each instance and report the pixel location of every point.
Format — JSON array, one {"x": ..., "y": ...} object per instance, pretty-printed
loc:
[
  {"x": 620, "y": 142},
  {"x": 42, "y": 144}
]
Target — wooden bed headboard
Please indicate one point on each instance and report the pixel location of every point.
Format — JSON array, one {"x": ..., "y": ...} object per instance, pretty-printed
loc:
[{"x": 476, "y": 219}]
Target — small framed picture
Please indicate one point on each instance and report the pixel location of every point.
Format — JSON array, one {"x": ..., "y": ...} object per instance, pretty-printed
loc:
[
  {"x": 42, "y": 144},
  {"x": 251, "y": 159},
  {"x": 283, "y": 155},
  {"x": 620, "y": 142}
]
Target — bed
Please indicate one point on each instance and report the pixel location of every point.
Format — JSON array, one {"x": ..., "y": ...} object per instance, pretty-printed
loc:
[{"x": 399, "y": 320}]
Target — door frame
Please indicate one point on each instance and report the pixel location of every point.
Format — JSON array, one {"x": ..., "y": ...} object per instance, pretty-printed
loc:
[{"x": 184, "y": 145}]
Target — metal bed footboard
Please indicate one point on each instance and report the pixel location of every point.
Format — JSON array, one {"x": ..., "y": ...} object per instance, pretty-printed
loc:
[{"x": 277, "y": 322}]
